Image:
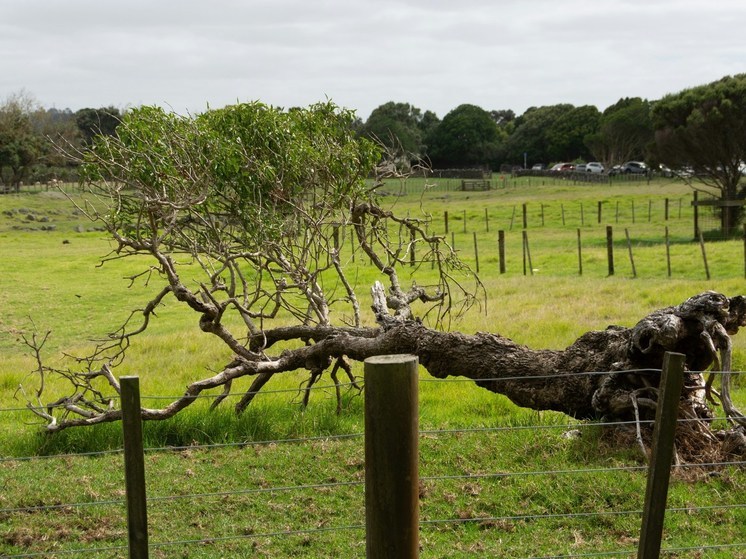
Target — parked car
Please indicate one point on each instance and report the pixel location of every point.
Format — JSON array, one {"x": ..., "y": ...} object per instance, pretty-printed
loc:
[
  {"x": 564, "y": 167},
  {"x": 665, "y": 171},
  {"x": 538, "y": 167},
  {"x": 580, "y": 168},
  {"x": 634, "y": 168},
  {"x": 594, "y": 167}
]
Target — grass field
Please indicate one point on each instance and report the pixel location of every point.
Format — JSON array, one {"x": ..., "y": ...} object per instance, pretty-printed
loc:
[{"x": 50, "y": 280}]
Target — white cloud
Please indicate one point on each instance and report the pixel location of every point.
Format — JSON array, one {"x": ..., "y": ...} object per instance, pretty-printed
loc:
[{"x": 360, "y": 53}]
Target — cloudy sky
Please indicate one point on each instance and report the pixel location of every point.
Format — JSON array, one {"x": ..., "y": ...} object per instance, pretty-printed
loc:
[{"x": 434, "y": 54}]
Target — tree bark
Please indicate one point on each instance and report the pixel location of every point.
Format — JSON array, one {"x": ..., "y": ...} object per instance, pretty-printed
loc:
[{"x": 611, "y": 374}]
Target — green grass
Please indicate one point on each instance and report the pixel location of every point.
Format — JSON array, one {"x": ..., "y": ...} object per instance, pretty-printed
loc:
[{"x": 50, "y": 279}]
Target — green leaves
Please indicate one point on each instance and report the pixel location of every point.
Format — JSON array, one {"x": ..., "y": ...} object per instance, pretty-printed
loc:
[
  {"x": 704, "y": 128},
  {"x": 243, "y": 170}
]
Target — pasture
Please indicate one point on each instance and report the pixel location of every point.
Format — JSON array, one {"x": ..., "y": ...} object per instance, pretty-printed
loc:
[{"x": 497, "y": 480}]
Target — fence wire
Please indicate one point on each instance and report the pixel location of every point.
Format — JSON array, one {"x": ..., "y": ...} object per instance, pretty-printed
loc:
[{"x": 7, "y": 512}]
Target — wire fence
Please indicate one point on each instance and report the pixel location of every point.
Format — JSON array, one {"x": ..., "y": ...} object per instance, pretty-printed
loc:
[{"x": 463, "y": 489}]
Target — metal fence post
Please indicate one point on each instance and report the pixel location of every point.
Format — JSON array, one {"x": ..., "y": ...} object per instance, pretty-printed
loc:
[
  {"x": 134, "y": 468},
  {"x": 659, "y": 471},
  {"x": 391, "y": 457}
]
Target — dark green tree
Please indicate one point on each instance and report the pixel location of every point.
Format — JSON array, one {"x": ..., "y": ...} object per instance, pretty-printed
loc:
[
  {"x": 467, "y": 136},
  {"x": 625, "y": 132},
  {"x": 530, "y": 134},
  {"x": 705, "y": 128},
  {"x": 92, "y": 122},
  {"x": 567, "y": 134},
  {"x": 503, "y": 117},
  {"x": 400, "y": 127},
  {"x": 28, "y": 134},
  {"x": 20, "y": 145}
]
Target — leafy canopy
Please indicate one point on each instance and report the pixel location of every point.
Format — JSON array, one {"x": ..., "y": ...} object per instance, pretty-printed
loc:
[
  {"x": 245, "y": 172},
  {"x": 703, "y": 128}
]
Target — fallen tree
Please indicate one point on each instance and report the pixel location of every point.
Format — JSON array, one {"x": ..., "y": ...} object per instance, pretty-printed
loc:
[{"x": 239, "y": 212}]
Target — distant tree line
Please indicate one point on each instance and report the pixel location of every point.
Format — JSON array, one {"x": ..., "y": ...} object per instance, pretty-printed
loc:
[
  {"x": 701, "y": 129},
  {"x": 30, "y": 138}
]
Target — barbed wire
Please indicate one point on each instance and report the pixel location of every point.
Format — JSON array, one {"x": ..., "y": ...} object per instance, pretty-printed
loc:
[
  {"x": 206, "y": 396},
  {"x": 354, "y": 527},
  {"x": 331, "y": 485},
  {"x": 438, "y": 432},
  {"x": 341, "y": 436}
]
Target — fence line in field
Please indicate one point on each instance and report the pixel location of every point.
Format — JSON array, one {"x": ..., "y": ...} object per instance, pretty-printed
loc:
[
  {"x": 424, "y": 435},
  {"x": 577, "y": 242}
]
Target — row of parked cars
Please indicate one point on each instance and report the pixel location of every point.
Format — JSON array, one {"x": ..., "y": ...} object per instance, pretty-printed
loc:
[{"x": 628, "y": 168}]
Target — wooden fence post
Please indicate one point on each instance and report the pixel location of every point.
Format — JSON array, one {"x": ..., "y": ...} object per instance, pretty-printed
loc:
[
  {"x": 631, "y": 257},
  {"x": 659, "y": 470},
  {"x": 501, "y": 249},
  {"x": 476, "y": 251},
  {"x": 668, "y": 253},
  {"x": 704, "y": 254},
  {"x": 412, "y": 242},
  {"x": 695, "y": 206},
  {"x": 610, "y": 248},
  {"x": 391, "y": 457},
  {"x": 527, "y": 255},
  {"x": 525, "y": 216},
  {"x": 134, "y": 468}
]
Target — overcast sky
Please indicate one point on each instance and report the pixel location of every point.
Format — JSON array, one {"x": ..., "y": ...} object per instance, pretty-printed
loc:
[{"x": 433, "y": 54}]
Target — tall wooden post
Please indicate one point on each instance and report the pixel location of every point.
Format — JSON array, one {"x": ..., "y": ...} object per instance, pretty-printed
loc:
[
  {"x": 134, "y": 468},
  {"x": 525, "y": 215},
  {"x": 610, "y": 248},
  {"x": 391, "y": 457},
  {"x": 695, "y": 206},
  {"x": 501, "y": 249},
  {"x": 668, "y": 252},
  {"x": 631, "y": 256},
  {"x": 659, "y": 470},
  {"x": 476, "y": 252},
  {"x": 412, "y": 243}
]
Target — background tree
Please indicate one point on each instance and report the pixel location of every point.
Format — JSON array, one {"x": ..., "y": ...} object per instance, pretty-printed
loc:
[
  {"x": 400, "y": 127},
  {"x": 503, "y": 117},
  {"x": 625, "y": 132},
  {"x": 705, "y": 128},
  {"x": 91, "y": 122},
  {"x": 232, "y": 214},
  {"x": 27, "y": 136},
  {"x": 567, "y": 134},
  {"x": 531, "y": 135},
  {"x": 20, "y": 145},
  {"x": 466, "y": 137}
]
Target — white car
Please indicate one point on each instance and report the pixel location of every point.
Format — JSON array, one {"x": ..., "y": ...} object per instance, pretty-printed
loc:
[{"x": 594, "y": 167}]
